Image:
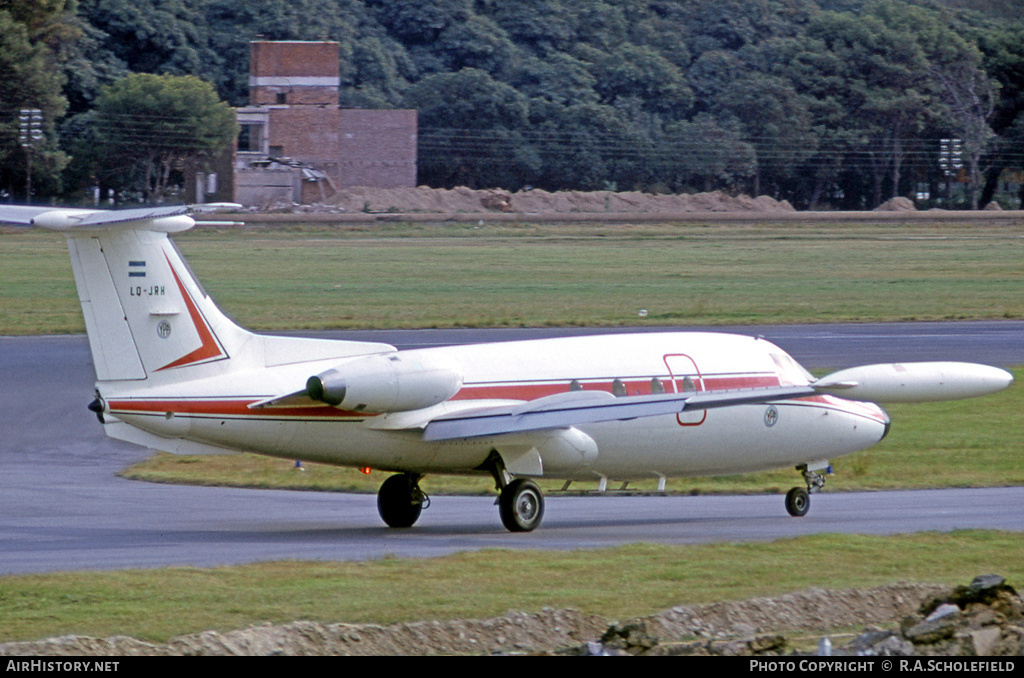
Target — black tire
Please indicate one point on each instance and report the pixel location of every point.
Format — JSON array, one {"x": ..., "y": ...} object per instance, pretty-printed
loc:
[
  {"x": 798, "y": 502},
  {"x": 400, "y": 501},
  {"x": 521, "y": 506}
]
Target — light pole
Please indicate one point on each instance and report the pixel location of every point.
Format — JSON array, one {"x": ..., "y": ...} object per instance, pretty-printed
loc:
[
  {"x": 950, "y": 162},
  {"x": 30, "y": 126}
]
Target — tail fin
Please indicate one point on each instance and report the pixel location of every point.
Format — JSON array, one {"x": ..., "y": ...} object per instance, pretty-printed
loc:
[
  {"x": 144, "y": 311},
  {"x": 146, "y": 315}
]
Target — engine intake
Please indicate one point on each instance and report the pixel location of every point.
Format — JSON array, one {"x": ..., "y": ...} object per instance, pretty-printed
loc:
[{"x": 385, "y": 383}]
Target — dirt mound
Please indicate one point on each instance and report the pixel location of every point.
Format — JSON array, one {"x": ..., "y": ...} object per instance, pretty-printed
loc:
[
  {"x": 536, "y": 201},
  {"x": 897, "y": 205},
  {"x": 518, "y": 632}
]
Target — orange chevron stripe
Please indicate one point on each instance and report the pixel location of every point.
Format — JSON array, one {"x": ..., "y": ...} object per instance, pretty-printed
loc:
[{"x": 210, "y": 348}]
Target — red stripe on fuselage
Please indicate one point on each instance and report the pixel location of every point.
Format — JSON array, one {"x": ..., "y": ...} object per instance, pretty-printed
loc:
[
  {"x": 226, "y": 408},
  {"x": 239, "y": 407}
]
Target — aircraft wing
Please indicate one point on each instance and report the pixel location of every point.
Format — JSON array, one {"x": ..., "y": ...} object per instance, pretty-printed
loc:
[{"x": 586, "y": 407}]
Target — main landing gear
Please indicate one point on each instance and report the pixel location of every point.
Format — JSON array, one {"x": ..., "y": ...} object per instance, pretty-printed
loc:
[
  {"x": 798, "y": 499},
  {"x": 521, "y": 505},
  {"x": 520, "y": 502},
  {"x": 400, "y": 500}
]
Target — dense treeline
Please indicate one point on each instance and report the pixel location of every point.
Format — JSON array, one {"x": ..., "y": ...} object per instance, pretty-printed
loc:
[{"x": 826, "y": 103}]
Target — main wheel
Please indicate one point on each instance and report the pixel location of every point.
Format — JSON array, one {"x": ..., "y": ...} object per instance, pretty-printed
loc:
[
  {"x": 521, "y": 505},
  {"x": 798, "y": 502},
  {"x": 400, "y": 500}
]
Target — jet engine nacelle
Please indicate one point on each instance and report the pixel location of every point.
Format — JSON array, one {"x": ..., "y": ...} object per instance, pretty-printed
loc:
[
  {"x": 914, "y": 382},
  {"x": 385, "y": 383}
]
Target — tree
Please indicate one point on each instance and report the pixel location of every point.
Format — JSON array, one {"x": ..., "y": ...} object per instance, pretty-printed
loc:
[
  {"x": 155, "y": 126},
  {"x": 970, "y": 96},
  {"x": 154, "y": 36},
  {"x": 543, "y": 27},
  {"x": 586, "y": 147},
  {"x": 643, "y": 74},
  {"x": 707, "y": 154},
  {"x": 777, "y": 125},
  {"x": 420, "y": 21},
  {"x": 561, "y": 79},
  {"x": 476, "y": 43},
  {"x": 31, "y": 79},
  {"x": 866, "y": 82},
  {"x": 470, "y": 131},
  {"x": 1002, "y": 48},
  {"x": 847, "y": 82}
]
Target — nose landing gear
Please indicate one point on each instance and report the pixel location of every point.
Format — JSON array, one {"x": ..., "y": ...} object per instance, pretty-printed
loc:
[{"x": 798, "y": 499}]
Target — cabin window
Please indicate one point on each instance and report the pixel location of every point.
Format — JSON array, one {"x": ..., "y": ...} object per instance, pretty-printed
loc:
[{"x": 618, "y": 388}]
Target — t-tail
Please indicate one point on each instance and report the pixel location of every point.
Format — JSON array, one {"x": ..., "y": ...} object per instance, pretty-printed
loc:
[
  {"x": 161, "y": 348},
  {"x": 146, "y": 315}
]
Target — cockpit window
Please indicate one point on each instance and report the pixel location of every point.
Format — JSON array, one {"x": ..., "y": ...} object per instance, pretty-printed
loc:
[{"x": 790, "y": 371}]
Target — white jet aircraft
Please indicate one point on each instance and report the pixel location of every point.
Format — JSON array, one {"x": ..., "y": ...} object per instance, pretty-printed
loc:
[{"x": 173, "y": 373}]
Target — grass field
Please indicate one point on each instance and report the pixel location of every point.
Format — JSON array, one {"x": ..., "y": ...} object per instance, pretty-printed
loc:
[
  {"x": 408, "y": 275},
  {"x": 458, "y": 275},
  {"x": 619, "y": 583}
]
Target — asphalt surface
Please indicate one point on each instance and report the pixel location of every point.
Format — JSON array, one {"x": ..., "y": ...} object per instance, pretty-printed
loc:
[{"x": 63, "y": 508}]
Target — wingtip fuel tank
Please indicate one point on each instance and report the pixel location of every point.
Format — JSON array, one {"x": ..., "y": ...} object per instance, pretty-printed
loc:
[{"x": 914, "y": 382}]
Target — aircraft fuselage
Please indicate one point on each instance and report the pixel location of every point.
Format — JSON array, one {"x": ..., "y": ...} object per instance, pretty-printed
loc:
[{"x": 217, "y": 411}]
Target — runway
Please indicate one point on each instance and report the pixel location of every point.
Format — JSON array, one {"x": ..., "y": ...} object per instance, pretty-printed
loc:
[{"x": 63, "y": 508}]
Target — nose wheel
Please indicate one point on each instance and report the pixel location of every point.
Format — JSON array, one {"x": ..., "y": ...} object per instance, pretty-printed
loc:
[
  {"x": 798, "y": 499},
  {"x": 798, "y": 502}
]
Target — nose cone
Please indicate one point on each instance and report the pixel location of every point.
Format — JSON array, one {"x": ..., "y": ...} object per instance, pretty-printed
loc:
[
  {"x": 882, "y": 419},
  {"x": 886, "y": 426}
]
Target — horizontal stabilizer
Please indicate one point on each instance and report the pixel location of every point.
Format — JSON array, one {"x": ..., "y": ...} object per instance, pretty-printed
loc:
[
  {"x": 165, "y": 219},
  {"x": 574, "y": 408},
  {"x": 914, "y": 382}
]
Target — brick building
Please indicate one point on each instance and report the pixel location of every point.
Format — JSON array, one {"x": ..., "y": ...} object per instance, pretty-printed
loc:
[{"x": 298, "y": 145}]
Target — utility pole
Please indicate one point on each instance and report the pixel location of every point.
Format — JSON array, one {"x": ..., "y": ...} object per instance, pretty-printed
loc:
[{"x": 30, "y": 127}]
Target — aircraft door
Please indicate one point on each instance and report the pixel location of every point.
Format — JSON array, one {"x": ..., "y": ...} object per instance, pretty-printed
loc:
[{"x": 686, "y": 376}]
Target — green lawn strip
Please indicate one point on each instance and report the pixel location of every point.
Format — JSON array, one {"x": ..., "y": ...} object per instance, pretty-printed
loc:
[
  {"x": 619, "y": 583},
  {"x": 410, "y": 275}
]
